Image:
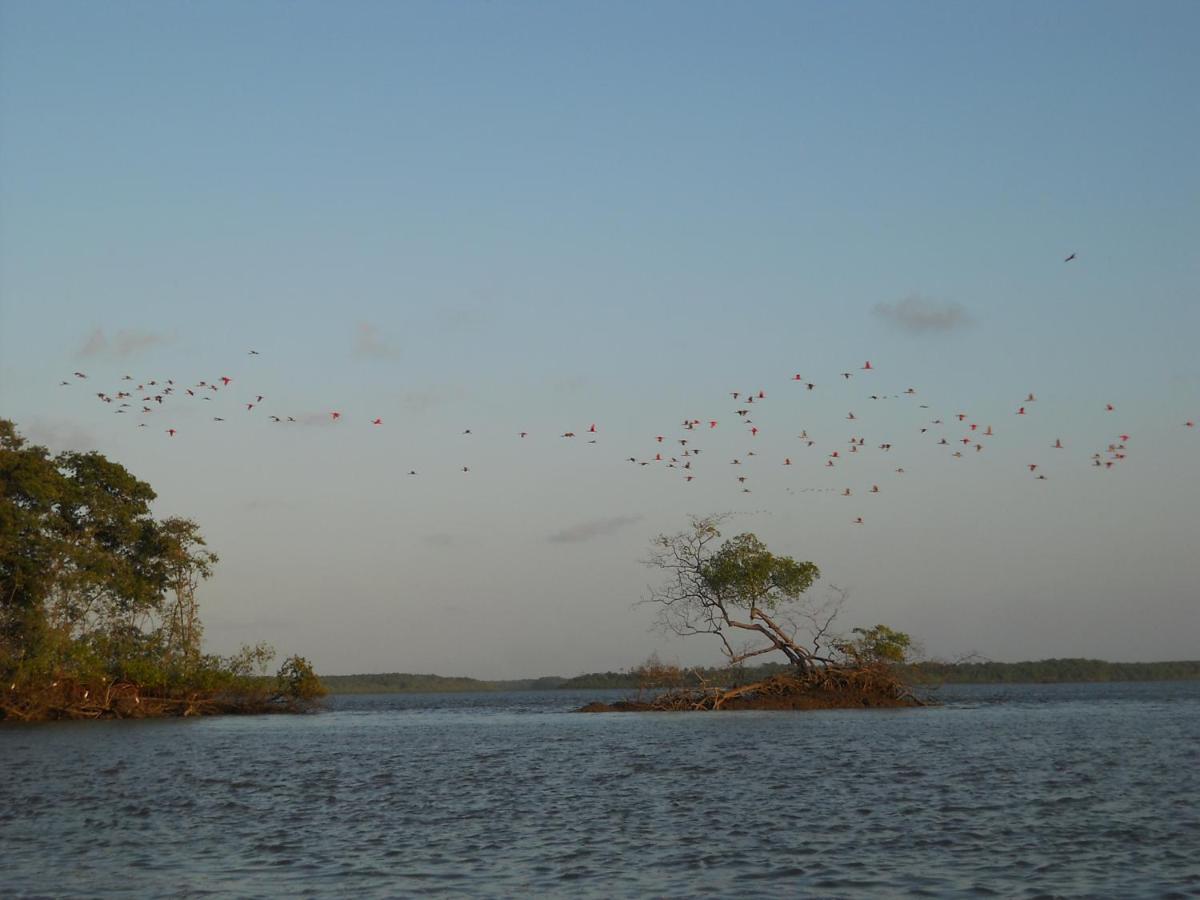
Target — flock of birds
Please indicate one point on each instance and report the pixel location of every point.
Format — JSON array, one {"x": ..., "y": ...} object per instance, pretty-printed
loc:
[{"x": 959, "y": 434}]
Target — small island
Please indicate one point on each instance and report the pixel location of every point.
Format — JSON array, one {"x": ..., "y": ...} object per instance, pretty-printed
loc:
[
  {"x": 754, "y": 602},
  {"x": 98, "y": 610}
]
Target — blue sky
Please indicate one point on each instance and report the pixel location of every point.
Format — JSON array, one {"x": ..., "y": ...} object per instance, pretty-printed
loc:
[{"x": 508, "y": 217}]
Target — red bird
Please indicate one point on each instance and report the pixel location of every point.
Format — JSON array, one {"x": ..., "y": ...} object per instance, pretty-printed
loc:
[
  {"x": 1021, "y": 411},
  {"x": 797, "y": 378},
  {"x": 1058, "y": 444},
  {"x": 225, "y": 380},
  {"x": 787, "y": 461},
  {"x": 335, "y": 416},
  {"x": 1109, "y": 407},
  {"x": 171, "y": 432},
  {"x": 712, "y": 423},
  {"x": 592, "y": 430},
  {"x": 377, "y": 421},
  {"x": 867, "y": 365}
]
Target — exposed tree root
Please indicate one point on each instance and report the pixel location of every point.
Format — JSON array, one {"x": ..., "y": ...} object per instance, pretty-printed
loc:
[
  {"x": 69, "y": 699},
  {"x": 829, "y": 687}
]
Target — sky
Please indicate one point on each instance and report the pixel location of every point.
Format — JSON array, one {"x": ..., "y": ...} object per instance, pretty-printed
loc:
[{"x": 538, "y": 217}]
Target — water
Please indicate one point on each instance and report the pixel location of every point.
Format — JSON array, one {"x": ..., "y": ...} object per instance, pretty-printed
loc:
[{"x": 1072, "y": 790}]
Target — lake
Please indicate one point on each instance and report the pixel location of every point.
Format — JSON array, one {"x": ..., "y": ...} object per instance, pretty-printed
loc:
[{"x": 1018, "y": 790}]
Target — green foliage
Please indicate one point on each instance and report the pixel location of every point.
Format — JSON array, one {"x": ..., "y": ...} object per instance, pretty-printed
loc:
[
  {"x": 740, "y": 593},
  {"x": 746, "y": 574},
  {"x": 298, "y": 682},
  {"x": 95, "y": 591},
  {"x": 877, "y": 645}
]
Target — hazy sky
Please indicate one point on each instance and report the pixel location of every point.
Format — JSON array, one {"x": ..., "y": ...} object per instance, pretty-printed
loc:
[{"x": 534, "y": 217}]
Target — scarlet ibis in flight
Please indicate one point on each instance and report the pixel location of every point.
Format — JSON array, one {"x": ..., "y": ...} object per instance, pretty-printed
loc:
[
  {"x": 377, "y": 421},
  {"x": 867, "y": 365}
]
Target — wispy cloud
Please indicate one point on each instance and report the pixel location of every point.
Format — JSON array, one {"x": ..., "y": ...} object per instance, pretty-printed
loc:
[
  {"x": 125, "y": 343},
  {"x": 594, "y": 528},
  {"x": 920, "y": 315},
  {"x": 462, "y": 320},
  {"x": 422, "y": 400},
  {"x": 368, "y": 344}
]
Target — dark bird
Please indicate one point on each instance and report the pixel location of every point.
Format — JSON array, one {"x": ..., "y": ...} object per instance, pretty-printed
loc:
[{"x": 1069, "y": 258}]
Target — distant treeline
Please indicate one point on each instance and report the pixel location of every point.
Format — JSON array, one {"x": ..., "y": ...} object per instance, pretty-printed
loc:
[
  {"x": 405, "y": 682},
  {"x": 1042, "y": 671},
  {"x": 1053, "y": 670}
]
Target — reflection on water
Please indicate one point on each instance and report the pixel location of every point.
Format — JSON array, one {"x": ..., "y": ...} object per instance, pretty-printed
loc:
[{"x": 1004, "y": 790}]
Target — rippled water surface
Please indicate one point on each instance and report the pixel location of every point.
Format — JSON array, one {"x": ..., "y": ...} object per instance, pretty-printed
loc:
[{"x": 1080, "y": 790}]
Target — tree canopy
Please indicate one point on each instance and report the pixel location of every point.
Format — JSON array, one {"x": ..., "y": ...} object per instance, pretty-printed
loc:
[
  {"x": 94, "y": 588},
  {"x": 736, "y": 587}
]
